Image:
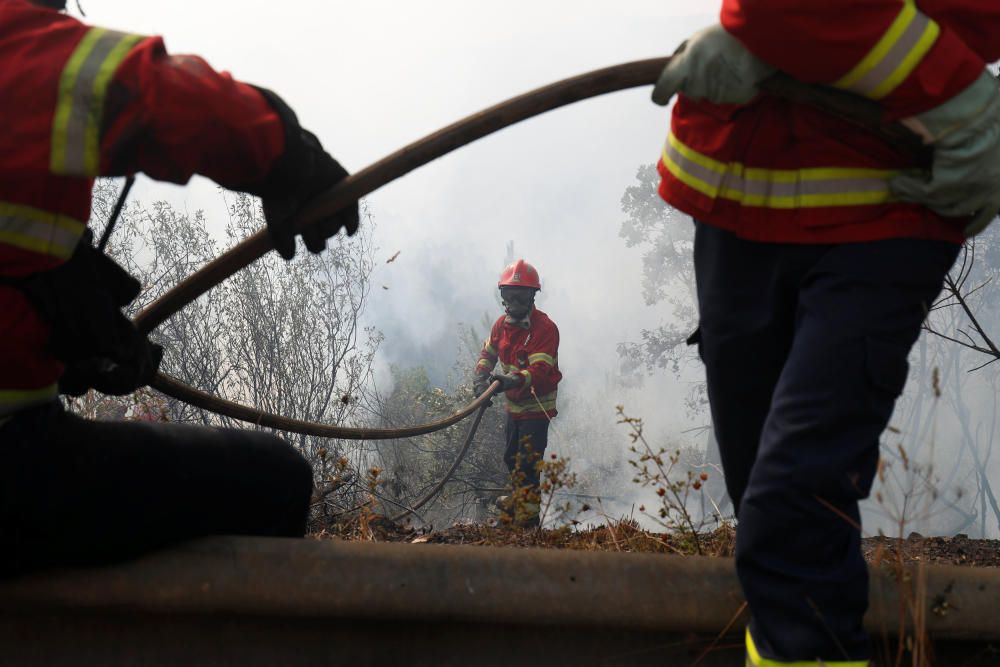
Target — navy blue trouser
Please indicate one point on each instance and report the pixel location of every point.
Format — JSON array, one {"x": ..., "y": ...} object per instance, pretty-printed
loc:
[
  {"x": 805, "y": 350},
  {"x": 80, "y": 492},
  {"x": 528, "y": 437}
]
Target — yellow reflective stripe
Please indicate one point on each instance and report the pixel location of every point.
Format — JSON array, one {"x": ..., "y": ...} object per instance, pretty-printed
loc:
[
  {"x": 12, "y": 400},
  {"x": 82, "y": 89},
  {"x": 541, "y": 357},
  {"x": 485, "y": 364},
  {"x": 894, "y": 56},
  {"x": 527, "y": 379},
  {"x": 511, "y": 369},
  {"x": 754, "y": 659},
  {"x": 776, "y": 188},
  {"x": 489, "y": 349},
  {"x": 515, "y": 408},
  {"x": 39, "y": 231},
  {"x": 548, "y": 403},
  {"x": 65, "y": 104}
]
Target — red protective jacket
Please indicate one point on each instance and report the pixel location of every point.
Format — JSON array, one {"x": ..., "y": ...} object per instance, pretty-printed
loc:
[
  {"x": 776, "y": 171},
  {"x": 78, "y": 102},
  {"x": 532, "y": 353}
]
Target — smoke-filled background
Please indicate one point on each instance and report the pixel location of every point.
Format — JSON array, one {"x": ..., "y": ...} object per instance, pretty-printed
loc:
[{"x": 370, "y": 77}]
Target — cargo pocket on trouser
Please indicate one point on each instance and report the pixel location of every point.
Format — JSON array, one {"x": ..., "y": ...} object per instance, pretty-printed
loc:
[{"x": 886, "y": 368}]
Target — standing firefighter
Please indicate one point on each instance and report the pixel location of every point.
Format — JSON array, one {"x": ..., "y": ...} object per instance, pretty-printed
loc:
[
  {"x": 80, "y": 102},
  {"x": 818, "y": 249},
  {"x": 526, "y": 343}
]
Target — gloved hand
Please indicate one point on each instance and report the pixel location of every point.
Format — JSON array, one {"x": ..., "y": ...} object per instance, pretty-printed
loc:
[
  {"x": 82, "y": 301},
  {"x": 114, "y": 377},
  {"x": 319, "y": 172},
  {"x": 712, "y": 65},
  {"x": 965, "y": 175},
  {"x": 507, "y": 380},
  {"x": 303, "y": 171},
  {"x": 480, "y": 384}
]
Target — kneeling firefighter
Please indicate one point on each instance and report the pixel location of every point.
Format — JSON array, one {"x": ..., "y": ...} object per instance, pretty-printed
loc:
[
  {"x": 90, "y": 102},
  {"x": 526, "y": 344}
]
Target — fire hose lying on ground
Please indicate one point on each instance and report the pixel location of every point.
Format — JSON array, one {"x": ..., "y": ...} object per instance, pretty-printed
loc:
[{"x": 857, "y": 110}]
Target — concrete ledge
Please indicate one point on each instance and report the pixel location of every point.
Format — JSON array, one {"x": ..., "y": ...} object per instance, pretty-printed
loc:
[{"x": 251, "y": 601}]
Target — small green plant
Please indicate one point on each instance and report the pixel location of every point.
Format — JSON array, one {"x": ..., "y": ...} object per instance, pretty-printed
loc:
[
  {"x": 366, "y": 515},
  {"x": 658, "y": 470},
  {"x": 523, "y": 506},
  {"x": 908, "y": 492},
  {"x": 556, "y": 477},
  {"x": 529, "y": 505},
  {"x": 917, "y": 493}
]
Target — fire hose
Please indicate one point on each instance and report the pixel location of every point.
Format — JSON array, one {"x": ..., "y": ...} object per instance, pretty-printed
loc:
[
  {"x": 192, "y": 396},
  {"x": 857, "y": 110}
]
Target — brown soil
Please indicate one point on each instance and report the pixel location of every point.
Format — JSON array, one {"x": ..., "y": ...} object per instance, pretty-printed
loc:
[
  {"x": 627, "y": 536},
  {"x": 958, "y": 550}
]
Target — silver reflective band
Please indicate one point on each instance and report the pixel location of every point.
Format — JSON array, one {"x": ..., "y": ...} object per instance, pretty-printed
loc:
[
  {"x": 82, "y": 89},
  {"x": 37, "y": 231},
  {"x": 776, "y": 188},
  {"x": 894, "y": 57},
  {"x": 13, "y": 400}
]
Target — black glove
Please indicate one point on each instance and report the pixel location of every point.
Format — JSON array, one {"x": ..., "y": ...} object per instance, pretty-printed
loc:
[
  {"x": 115, "y": 377},
  {"x": 507, "y": 381},
  {"x": 81, "y": 300},
  {"x": 480, "y": 384},
  {"x": 303, "y": 171}
]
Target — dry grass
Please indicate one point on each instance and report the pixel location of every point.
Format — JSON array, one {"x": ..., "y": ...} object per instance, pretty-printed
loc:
[{"x": 623, "y": 535}]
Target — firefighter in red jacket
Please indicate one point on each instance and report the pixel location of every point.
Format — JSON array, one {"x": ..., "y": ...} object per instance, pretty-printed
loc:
[
  {"x": 526, "y": 344},
  {"x": 818, "y": 249},
  {"x": 81, "y": 102}
]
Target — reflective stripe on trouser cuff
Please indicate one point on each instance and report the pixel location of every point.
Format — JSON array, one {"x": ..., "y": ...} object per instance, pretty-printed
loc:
[
  {"x": 82, "y": 89},
  {"x": 895, "y": 56},
  {"x": 776, "y": 188},
  {"x": 39, "y": 231},
  {"x": 541, "y": 357},
  {"x": 12, "y": 400},
  {"x": 754, "y": 659}
]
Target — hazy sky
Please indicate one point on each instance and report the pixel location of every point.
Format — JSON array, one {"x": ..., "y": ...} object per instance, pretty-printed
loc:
[{"x": 369, "y": 77}]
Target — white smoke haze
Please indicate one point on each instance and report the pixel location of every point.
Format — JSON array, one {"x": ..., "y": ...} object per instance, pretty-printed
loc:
[{"x": 370, "y": 77}]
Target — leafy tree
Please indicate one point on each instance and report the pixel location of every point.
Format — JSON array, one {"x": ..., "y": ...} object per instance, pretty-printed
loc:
[{"x": 666, "y": 239}]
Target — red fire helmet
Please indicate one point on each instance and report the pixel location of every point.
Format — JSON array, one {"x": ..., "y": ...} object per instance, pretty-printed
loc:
[{"x": 520, "y": 274}]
